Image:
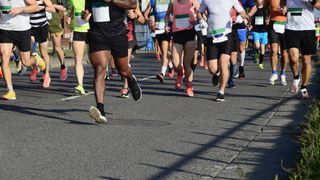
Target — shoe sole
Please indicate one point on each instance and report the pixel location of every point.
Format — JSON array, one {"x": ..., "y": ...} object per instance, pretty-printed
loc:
[
  {"x": 8, "y": 99},
  {"x": 220, "y": 100},
  {"x": 140, "y": 90},
  {"x": 160, "y": 79},
  {"x": 48, "y": 84},
  {"x": 95, "y": 114},
  {"x": 79, "y": 92}
]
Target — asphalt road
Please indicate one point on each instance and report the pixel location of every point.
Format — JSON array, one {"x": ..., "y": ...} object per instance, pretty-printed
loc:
[{"x": 45, "y": 134}]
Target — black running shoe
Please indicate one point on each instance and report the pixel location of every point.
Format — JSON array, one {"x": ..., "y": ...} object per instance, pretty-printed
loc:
[
  {"x": 241, "y": 72},
  {"x": 220, "y": 97},
  {"x": 160, "y": 77},
  {"x": 135, "y": 89},
  {"x": 215, "y": 80}
]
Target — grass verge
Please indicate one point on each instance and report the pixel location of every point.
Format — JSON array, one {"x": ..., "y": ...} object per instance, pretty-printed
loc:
[{"x": 308, "y": 164}]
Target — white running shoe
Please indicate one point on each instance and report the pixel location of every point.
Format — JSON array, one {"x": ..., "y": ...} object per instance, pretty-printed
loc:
[
  {"x": 304, "y": 94},
  {"x": 295, "y": 86},
  {"x": 95, "y": 114},
  {"x": 283, "y": 80},
  {"x": 273, "y": 78}
]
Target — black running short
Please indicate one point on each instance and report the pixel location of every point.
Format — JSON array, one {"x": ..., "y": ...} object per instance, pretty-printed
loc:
[
  {"x": 275, "y": 37},
  {"x": 79, "y": 36},
  {"x": 235, "y": 40},
  {"x": 163, "y": 37},
  {"x": 305, "y": 41},
  {"x": 182, "y": 37},
  {"x": 100, "y": 40},
  {"x": 21, "y": 39},
  {"x": 214, "y": 51},
  {"x": 40, "y": 34},
  {"x": 132, "y": 44}
]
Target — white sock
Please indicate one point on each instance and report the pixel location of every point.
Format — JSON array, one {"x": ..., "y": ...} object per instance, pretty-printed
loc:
[
  {"x": 170, "y": 64},
  {"x": 242, "y": 57},
  {"x": 10, "y": 87},
  {"x": 221, "y": 92},
  {"x": 163, "y": 70}
]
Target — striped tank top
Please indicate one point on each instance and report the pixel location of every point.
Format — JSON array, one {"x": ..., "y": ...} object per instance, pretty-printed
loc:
[{"x": 38, "y": 19}]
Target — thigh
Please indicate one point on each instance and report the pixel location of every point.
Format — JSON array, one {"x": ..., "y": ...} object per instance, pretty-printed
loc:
[
  {"x": 99, "y": 59},
  {"x": 177, "y": 53},
  {"x": 56, "y": 41}
]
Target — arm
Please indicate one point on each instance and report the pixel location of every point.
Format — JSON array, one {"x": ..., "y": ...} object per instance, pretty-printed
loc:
[
  {"x": 126, "y": 4},
  {"x": 140, "y": 17},
  {"x": 31, "y": 7},
  {"x": 147, "y": 12},
  {"x": 59, "y": 7},
  {"x": 49, "y": 6},
  {"x": 167, "y": 19}
]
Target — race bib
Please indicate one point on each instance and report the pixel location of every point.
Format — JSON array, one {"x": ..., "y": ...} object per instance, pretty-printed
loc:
[
  {"x": 49, "y": 15},
  {"x": 204, "y": 31},
  {"x": 5, "y": 6},
  {"x": 79, "y": 20},
  {"x": 279, "y": 27},
  {"x": 182, "y": 21},
  {"x": 250, "y": 37},
  {"x": 219, "y": 35},
  {"x": 100, "y": 12},
  {"x": 160, "y": 25},
  {"x": 295, "y": 15},
  {"x": 259, "y": 20}
]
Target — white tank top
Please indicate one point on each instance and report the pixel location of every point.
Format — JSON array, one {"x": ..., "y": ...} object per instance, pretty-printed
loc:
[{"x": 20, "y": 22}]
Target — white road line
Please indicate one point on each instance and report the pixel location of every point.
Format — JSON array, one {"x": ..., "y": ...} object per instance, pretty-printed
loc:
[
  {"x": 91, "y": 92},
  {"x": 75, "y": 97}
]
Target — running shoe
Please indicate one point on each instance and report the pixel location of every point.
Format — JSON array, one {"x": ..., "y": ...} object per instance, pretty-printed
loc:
[
  {"x": 206, "y": 66},
  {"x": 124, "y": 93},
  {"x": 201, "y": 63},
  {"x": 22, "y": 71},
  {"x": 231, "y": 84},
  {"x": 63, "y": 74},
  {"x": 18, "y": 66},
  {"x": 261, "y": 66},
  {"x": 241, "y": 72},
  {"x": 158, "y": 56},
  {"x": 10, "y": 95},
  {"x": 215, "y": 80},
  {"x": 114, "y": 73},
  {"x": 189, "y": 90},
  {"x": 106, "y": 76},
  {"x": 95, "y": 114},
  {"x": 171, "y": 73},
  {"x": 160, "y": 77},
  {"x": 295, "y": 86},
  {"x": 304, "y": 93},
  {"x": 256, "y": 59},
  {"x": 135, "y": 89},
  {"x": 79, "y": 90},
  {"x": 220, "y": 97},
  {"x": 1, "y": 74},
  {"x": 283, "y": 80},
  {"x": 33, "y": 75},
  {"x": 40, "y": 62},
  {"x": 273, "y": 78},
  {"x": 46, "y": 82},
  {"x": 194, "y": 66},
  {"x": 178, "y": 82}
]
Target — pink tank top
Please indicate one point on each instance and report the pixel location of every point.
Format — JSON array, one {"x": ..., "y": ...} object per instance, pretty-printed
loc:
[{"x": 183, "y": 14}]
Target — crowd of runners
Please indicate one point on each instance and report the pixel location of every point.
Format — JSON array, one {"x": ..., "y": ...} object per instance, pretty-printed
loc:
[{"x": 214, "y": 34}]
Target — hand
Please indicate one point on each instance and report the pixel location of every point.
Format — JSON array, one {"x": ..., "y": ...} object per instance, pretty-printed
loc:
[
  {"x": 68, "y": 20},
  {"x": 249, "y": 27},
  {"x": 152, "y": 21},
  {"x": 239, "y": 19},
  {"x": 167, "y": 28},
  {"x": 15, "y": 11},
  {"x": 131, "y": 14},
  {"x": 245, "y": 21},
  {"x": 85, "y": 15},
  {"x": 203, "y": 24}
]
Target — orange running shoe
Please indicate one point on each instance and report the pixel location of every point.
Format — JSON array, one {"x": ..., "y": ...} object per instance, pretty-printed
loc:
[
  {"x": 178, "y": 83},
  {"x": 189, "y": 90},
  {"x": 1, "y": 74},
  {"x": 33, "y": 75},
  {"x": 46, "y": 82}
]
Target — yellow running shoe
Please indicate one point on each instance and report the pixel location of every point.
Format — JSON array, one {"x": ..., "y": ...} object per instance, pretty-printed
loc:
[
  {"x": 40, "y": 62},
  {"x": 261, "y": 66},
  {"x": 10, "y": 95},
  {"x": 79, "y": 90}
]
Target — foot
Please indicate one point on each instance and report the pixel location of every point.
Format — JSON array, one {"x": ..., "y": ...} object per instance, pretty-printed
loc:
[
  {"x": 178, "y": 82},
  {"x": 283, "y": 80},
  {"x": 160, "y": 77},
  {"x": 261, "y": 66},
  {"x": 136, "y": 91},
  {"x": 95, "y": 114},
  {"x": 273, "y": 78},
  {"x": 10, "y": 95},
  {"x": 158, "y": 56},
  {"x": 201, "y": 63},
  {"x": 241, "y": 72},
  {"x": 18, "y": 66},
  {"x": 295, "y": 86},
  {"x": 215, "y": 80},
  {"x": 304, "y": 93},
  {"x": 231, "y": 84},
  {"x": 46, "y": 82},
  {"x": 79, "y": 90},
  {"x": 114, "y": 73},
  {"x": 220, "y": 97},
  {"x": 171, "y": 73},
  {"x": 63, "y": 74},
  {"x": 1, "y": 74},
  {"x": 33, "y": 75},
  {"x": 189, "y": 90},
  {"x": 124, "y": 93},
  {"x": 40, "y": 62},
  {"x": 206, "y": 66}
]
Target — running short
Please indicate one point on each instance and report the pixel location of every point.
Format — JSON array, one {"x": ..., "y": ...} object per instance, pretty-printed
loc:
[
  {"x": 278, "y": 38},
  {"x": 262, "y": 37},
  {"x": 242, "y": 33},
  {"x": 182, "y": 37},
  {"x": 214, "y": 51},
  {"x": 305, "y": 41},
  {"x": 132, "y": 44},
  {"x": 79, "y": 36},
  {"x": 21, "y": 39},
  {"x": 200, "y": 40},
  {"x": 163, "y": 37},
  {"x": 40, "y": 34},
  {"x": 100, "y": 40},
  {"x": 236, "y": 40},
  {"x": 56, "y": 34}
]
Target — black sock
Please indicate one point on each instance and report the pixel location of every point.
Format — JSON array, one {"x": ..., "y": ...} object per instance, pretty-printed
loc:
[
  {"x": 193, "y": 67},
  {"x": 261, "y": 58},
  {"x": 303, "y": 87},
  {"x": 296, "y": 77},
  {"x": 63, "y": 66},
  {"x": 100, "y": 107}
]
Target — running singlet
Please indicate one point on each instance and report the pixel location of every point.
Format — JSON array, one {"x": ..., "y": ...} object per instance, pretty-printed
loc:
[
  {"x": 106, "y": 17},
  {"x": 20, "y": 22},
  {"x": 39, "y": 18},
  {"x": 78, "y": 24},
  {"x": 219, "y": 20},
  {"x": 300, "y": 16},
  {"x": 259, "y": 20},
  {"x": 182, "y": 15},
  {"x": 160, "y": 8}
]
